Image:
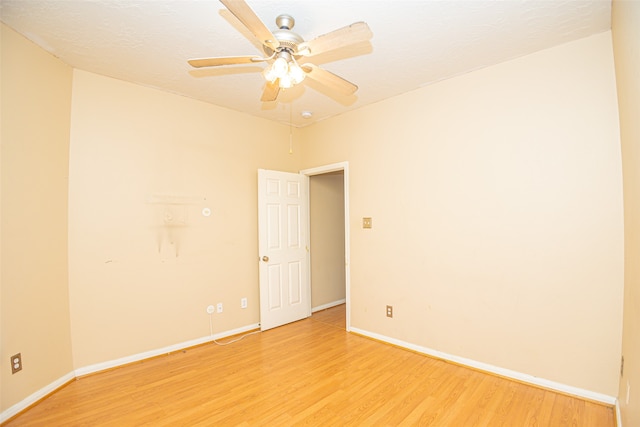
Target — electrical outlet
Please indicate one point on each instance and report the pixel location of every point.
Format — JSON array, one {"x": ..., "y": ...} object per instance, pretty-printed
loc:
[
  {"x": 219, "y": 307},
  {"x": 243, "y": 303},
  {"x": 16, "y": 363},
  {"x": 389, "y": 311},
  {"x": 211, "y": 309}
]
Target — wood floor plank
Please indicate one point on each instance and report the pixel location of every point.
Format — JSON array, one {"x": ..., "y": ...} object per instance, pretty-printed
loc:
[{"x": 309, "y": 373}]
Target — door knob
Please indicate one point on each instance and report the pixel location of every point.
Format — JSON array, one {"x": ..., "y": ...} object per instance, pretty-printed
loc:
[{"x": 265, "y": 258}]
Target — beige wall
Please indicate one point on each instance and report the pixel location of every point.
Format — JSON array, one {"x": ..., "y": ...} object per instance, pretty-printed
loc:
[
  {"x": 36, "y": 99},
  {"x": 626, "y": 45},
  {"x": 496, "y": 200},
  {"x": 144, "y": 261},
  {"x": 326, "y": 207}
]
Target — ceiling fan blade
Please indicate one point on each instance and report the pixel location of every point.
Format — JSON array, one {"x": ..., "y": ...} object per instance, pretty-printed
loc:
[
  {"x": 249, "y": 19},
  {"x": 354, "y": 33},
  {"x": 330, "y": 80},
  {"x": 271, "y": 91},
  {"x": 224, "y": 60}
]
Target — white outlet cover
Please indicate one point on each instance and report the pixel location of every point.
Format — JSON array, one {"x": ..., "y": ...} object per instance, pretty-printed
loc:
[
  {"x": 211, "y": 309},
  {"x": 219, "y": 307}
]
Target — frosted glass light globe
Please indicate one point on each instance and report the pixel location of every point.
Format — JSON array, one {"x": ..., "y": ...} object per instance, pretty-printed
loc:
[{"x": 280, "y": 67}]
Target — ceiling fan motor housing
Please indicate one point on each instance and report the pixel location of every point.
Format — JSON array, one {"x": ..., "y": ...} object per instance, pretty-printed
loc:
[{"x": 288, "y": 39}]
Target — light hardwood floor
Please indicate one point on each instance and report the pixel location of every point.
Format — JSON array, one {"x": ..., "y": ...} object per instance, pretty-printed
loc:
[{"x": 307, "y": 373}]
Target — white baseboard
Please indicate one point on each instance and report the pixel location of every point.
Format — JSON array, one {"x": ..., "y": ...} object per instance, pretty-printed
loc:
[
  {"x": 165, "y": 350},
  {"x": 519, "y": 376},
  {"x": 33, "y": 398},
  {"x": 328, "y": 305},
  {"x": 50, "y": 388}
]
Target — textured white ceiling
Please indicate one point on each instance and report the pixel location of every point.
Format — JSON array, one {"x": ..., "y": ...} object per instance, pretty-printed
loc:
[{"x": 415, "y": 43}]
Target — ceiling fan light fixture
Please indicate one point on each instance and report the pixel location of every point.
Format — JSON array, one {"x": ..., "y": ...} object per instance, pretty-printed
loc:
[
  {"x": 296, "y": 73},
  {"x": 278, "y": 70},
  {"x": 286, "y": 70},
  {"x": 285, "y": 82},
  {"x": 280, "y": 67},
  {"x": 269, "y": 75}
]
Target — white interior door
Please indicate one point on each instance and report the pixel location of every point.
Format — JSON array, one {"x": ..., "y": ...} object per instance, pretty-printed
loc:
[{"x": 285, "y": 292}]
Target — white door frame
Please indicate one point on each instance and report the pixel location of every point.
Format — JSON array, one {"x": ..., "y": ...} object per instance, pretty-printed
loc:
[{"x": 342, "y": 166}]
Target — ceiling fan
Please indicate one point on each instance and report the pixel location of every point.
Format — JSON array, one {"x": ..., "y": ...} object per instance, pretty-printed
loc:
[{"x": 284, "y": 48}]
